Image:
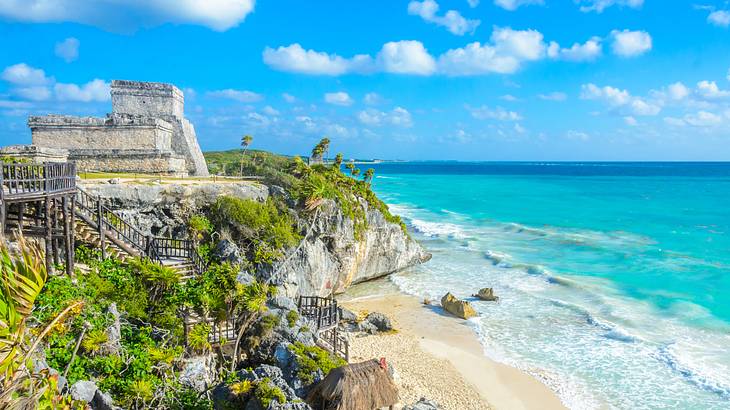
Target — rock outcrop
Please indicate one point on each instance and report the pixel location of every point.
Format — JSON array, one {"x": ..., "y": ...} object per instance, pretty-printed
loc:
[
  {"x": 487, "y": 294},
  {"x": 457, "y": 307},
  {"x": 329, "y": 259}
]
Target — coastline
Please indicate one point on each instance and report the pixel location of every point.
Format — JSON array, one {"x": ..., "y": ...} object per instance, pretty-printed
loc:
[{"x": 439, "y": 356}]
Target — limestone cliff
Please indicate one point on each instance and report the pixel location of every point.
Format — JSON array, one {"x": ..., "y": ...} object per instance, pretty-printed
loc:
[{"x": 328, "y": 259}]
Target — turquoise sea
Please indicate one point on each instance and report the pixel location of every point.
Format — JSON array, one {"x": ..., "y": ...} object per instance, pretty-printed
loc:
[{"x": 614, "y": 278}]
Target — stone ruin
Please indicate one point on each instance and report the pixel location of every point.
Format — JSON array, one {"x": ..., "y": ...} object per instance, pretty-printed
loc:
[{"x": 146, "y": 132}]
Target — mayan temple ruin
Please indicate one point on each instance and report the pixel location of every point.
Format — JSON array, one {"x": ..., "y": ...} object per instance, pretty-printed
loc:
[{"x": 146, "y": 132}]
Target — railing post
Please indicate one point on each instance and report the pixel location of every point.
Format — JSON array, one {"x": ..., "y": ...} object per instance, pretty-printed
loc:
[{"x": 100, "y": 222}]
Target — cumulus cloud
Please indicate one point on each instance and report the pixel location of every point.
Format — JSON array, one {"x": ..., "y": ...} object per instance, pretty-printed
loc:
[
  {"x": 588, "y": 51},
  {"x": 289, "y": 98},
  {"x": 294, "y": 58},
  {"x": 630, "y": 121},
  {"x": 513, "y": 5},
  {"x": 24, "y": 75},
  {"x": 269, "y": 110},
  {"x": 710, "y": 90},
  {"x": 399, "y": 117},
  {"x": 68, "y": 49},
  {"x": 506, "y": 53},
  {"x": 620, "y": 99},
  {"x": 700, "y": 119},
  {"x": 678, "y": 91},
  {"x": 373, "y": 99},
  {"x": 452, "y": 19},
  {"x": 338, "y": 98},
  {"x": 473, "y": 3},
  {"x": 554, "y": 96},
  {"x": 406, "y": 57},
  {"x": 628, "y": 43},
  {"x": 95, "y": 90},
  {"x": 499, "y": 113},
  {"x": 236, "y": 95},
  {"x": 125, "y": 16},
  {"x": 599, "y": 5},
  {"x": 720, "y": 18}
]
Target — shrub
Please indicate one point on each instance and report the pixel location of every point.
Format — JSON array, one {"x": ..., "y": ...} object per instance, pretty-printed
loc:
[
  {"x": 311, "y": 359},
  {"x": 266, "y": 393},
  {"x": 291, "y": 317},
  {"x": 198, "y": 337}
]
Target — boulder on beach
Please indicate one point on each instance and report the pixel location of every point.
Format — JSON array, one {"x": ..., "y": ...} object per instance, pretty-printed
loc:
[
  {"x": 457, "y": 307},
  {"x": 486, "y": 294}
]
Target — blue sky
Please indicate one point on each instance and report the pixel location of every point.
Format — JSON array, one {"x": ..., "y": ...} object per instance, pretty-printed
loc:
[{"x": 456, "y": 79}]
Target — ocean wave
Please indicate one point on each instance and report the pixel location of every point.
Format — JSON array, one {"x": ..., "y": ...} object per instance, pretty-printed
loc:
[
  {"x": 694, "y": 376},
  {"x": 437, "y": 229}
]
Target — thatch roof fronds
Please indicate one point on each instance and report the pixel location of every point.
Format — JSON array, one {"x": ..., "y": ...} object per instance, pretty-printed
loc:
[{"x": 358, "y": 386}]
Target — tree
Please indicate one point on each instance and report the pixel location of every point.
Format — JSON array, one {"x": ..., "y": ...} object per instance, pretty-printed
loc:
[
  {"x": 356, "y": 172},
  {"x": 369, "y": 174},
  {"x": 338, "y": 161},
  {"x": 320, "y": 149},
  {"x": 351, "y": 167},
  {"x": 250, "y": 304},
  {"x": 246, "y": 140}
]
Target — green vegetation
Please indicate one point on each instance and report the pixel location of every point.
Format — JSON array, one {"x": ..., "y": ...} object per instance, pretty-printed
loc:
[
  {"x": 311, "y": 359},
  {"x": 309, "y": 185},
  {"x": 291, "y": 317},
  {"x": 266, "y": 393},
  {"x": 263, "y": 229}
]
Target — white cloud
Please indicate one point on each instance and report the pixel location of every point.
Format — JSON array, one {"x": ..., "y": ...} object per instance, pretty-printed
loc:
[
  {"x": 678, "y": 91},
  {"x": 34, "y": 93},
  {"x": 509, "y": 97},
  {"x": 554, "y": 96},
  {"x": 506, "y": 53},
  {"x": 513, "y": 5},
  {"x": 710, "y": 90},
  {"x": 588, "y": 51},
  {"x": 237, "y": 95},
  {"x": 630, "y": 121},
  {"x": 473, "y": 3},
  {"x": 599, "y": 5},
  {"x": 617, "y": 98},
  {"x": 339, "y": 98},
  {"x": 24, "y": 75},
  {"x": 289, "y": 98},
  {"x": 128, "y": 16},
  {"x": 68, "y": 49},
  {"x": 452, "y": 20},
  {"x": 720, "y": 18},
  {"x": 95, "y": 90},
  {"x": 399, "y": 116},
  {"x": 628, "y": 43},
  {"x": 406, "y": 57},
  {"x": 703, "y": 119},
  {"x": 499, "y": 113},
  {"x": 269, "y": 110},
  {"x": 373, "y": 99},
  {"x": 294, "y": 58},
  {"x": 15, "y": 104}
]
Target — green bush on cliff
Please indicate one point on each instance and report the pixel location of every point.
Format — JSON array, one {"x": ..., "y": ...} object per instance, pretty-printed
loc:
[
  {"x": 263, "y": 228},
  {"x": 311, "y": 359}
]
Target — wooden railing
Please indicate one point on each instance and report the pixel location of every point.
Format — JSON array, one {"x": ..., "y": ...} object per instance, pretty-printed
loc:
[
  {"x": 322, "y": 311},
  {"x": 222, "y": 332},
  {"x": 110, "y": 224},
  {"x": 335, "y": 342},
  {"x": 30, "y": 180}
]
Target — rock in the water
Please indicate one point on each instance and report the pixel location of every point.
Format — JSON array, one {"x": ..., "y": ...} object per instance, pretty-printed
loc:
[
  {"x": 487, "y": 294},
  {"x": 227, "y": 251},
  {"x": 457, "y": 307},
  {"x": 83, "y": 390},
  {"x": 198, "y": 372},
  {"x": 423, "y": 404},
  {"x": 380, "y": 321}
]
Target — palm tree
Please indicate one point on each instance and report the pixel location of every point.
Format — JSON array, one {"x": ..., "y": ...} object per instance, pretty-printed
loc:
[
  {"x": 320, "y": 149},
  {"x": 369, "y": 174},
  {"x": 338, "y": 161},
  {"x": 351, "y": 167},
  {"x": 246, "y": 140},
  {"x": 250, "y": 304},
  {"x": 356, "y": 172}
]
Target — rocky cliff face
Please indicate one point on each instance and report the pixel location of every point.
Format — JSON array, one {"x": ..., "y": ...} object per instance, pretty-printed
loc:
[{"x": 328, "y": 260}]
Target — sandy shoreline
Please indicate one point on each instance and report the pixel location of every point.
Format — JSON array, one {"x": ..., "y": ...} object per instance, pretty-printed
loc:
[{"x": 439, "y": 357}]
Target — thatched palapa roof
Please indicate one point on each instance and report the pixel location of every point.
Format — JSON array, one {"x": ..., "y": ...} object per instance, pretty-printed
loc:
[{"x": 358, "y": 386}]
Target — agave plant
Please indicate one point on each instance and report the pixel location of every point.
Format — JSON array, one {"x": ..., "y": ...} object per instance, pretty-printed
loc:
[{"x": 22, "y": 277}]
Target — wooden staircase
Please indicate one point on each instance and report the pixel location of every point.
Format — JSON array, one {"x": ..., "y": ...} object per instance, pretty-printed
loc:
[{"x": 107, "y": 230}]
